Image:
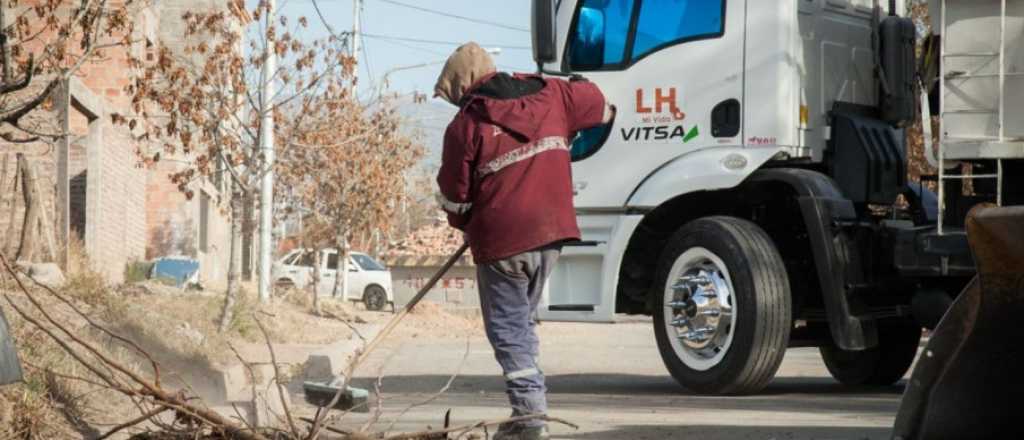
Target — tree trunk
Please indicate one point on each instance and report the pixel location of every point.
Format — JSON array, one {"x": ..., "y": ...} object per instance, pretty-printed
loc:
[
  {"x": 341, "y": 275},
  {"x": 317, "y": 275},
  {"x": 27, "y": 248},
  {"x": 45, "y": 227},
  {"x": 227, "y": 313},
  {"x": 4, "y": 206},
  {"x": 247, "y": 233},
  {"x": 12, "y": 225}
]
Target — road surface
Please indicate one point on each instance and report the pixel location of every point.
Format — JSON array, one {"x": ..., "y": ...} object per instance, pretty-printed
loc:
[{"x": 610, "y": 381}]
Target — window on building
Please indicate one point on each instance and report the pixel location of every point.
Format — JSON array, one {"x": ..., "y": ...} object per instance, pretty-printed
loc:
[
  {"x": 204, "y": 222},
  {"x": 610, "y": 34}
]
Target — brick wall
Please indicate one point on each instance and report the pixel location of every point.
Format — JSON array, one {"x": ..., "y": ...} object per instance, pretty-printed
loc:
[
  {"x": 107, "y": 188},
  {"x": 173, "y": 221},
  {"x": 121, "y": 210}
]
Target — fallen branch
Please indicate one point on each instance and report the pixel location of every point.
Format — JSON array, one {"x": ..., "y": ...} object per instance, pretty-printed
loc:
[
  {"x": 149, "y": 415},
  {"x": 362, "y": 355},
  {"x": 120, "y": 377},
  {"x": 252, "y": 375},
  {"x": 436, "y": 395},
  {"x": 328, "y": 428},
  {"x": 277, "y": 379},
  {"x": 478, "y": 425}
]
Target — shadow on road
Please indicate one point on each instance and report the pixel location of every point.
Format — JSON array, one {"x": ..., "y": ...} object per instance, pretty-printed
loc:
[
  {"x": 599, "y": 391},
  {"x": 707, "y": 432}
]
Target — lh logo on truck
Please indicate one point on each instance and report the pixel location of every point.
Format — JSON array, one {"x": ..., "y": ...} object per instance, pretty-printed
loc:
[
  {"x": 659, "y": 118},
  {"x": 661, "y": 98}
]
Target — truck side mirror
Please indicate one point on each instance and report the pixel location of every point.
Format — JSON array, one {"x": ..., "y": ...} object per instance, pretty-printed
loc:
[{"x": 544, "y": 38}]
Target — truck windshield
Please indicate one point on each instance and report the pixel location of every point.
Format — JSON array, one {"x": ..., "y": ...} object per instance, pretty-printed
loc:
[
  {"x": 367, "y": 263},
  {"x": 602, "y": 30}
]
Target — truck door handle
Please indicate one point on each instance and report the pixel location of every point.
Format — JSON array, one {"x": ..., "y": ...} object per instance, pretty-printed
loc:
[{"x": 725, "y": 119}]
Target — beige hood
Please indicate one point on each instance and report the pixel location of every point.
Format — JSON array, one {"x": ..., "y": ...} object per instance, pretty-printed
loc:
[{"x": 466, "y": 66}]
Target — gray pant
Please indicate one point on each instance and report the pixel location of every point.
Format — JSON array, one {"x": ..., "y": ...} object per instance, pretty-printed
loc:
[{"x": 510, "y": 290}]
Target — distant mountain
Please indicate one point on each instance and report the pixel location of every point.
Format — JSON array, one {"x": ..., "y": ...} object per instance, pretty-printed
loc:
[{"x": 426, "y": 121}]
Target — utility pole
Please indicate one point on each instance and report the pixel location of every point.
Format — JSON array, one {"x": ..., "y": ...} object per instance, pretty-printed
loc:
[
  {"x": 267, "y": 147},
  {"x": 356, "y": 9}
]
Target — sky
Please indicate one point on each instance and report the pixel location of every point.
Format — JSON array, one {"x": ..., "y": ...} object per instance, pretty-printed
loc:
[
  {"x": 388, "y": 28},
  {"x": 384, "y": 22}
]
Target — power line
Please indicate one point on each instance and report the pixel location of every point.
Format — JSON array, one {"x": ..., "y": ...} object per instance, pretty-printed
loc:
[
  {"x": 459, "y": 17},
  {"x": 366, "y": 55},
  {"x": 441, "y": 42},
  {"x": 417, "y": 48}
]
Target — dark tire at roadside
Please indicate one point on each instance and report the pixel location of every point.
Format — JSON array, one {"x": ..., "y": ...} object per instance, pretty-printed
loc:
[
  {"x": 374, "y": 298},
  {"x": 722, "y": 306},
  {"x": 882, "y": 365}
]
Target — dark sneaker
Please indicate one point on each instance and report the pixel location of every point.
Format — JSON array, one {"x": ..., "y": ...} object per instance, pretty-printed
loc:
[{"x": 520, "y": 432}]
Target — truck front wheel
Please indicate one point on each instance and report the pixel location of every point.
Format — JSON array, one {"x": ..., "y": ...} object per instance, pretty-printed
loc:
[{"x": 722, "y": 307}]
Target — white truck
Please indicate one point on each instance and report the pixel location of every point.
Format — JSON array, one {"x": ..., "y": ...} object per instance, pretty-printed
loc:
[{"x": 752, "y": 193}]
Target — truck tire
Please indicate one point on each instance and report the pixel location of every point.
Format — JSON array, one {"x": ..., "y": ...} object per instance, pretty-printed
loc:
[
  {"x": 375, "y": 298},
  {"x": 882, "y": 365},
  {"x": 722, "y": 306}
]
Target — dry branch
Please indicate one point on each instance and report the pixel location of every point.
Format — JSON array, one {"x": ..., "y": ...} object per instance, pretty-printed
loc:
[
  {"x": 281, "y": 393},
  {"x": 140, "y": 419},
  {"x": 462, "y": 429},
  {"x": 120, "y": 378}
]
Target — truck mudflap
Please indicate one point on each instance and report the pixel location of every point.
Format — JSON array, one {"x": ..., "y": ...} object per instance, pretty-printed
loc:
[
  {"x": 823, "y": 206},
  {"x": 967, "y": 380}
]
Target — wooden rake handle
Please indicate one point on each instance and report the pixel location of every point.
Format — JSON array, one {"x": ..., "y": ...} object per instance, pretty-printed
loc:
[{"x": 370, "y": 346}]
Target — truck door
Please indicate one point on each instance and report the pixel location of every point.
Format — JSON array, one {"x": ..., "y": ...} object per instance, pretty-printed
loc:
[{"x": 666, "y": 65}]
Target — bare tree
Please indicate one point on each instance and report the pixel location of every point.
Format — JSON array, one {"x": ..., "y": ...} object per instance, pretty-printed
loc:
[
  {"x": 200, "y": 103},
  {"x": 348, "y": 169},
  {"x": 50, "y": 41}
]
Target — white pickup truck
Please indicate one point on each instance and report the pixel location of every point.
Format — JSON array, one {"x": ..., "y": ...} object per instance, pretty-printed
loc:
[{"x": 368, "y": 280}]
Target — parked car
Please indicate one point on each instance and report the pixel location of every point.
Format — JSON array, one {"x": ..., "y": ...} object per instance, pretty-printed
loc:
[{"x": 368, "y": 280}]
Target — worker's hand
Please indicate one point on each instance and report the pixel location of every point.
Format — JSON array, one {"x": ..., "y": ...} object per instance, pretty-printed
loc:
[{"x": 609, "y": 113}]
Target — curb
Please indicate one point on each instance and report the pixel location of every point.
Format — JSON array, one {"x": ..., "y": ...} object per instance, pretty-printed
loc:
[{"x": 325, "y": 363}]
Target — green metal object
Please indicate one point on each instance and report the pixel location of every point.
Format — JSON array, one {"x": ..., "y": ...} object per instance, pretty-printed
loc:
[
  {"x": 10, "y": 367},
  {"x": 320, "y": 394}
]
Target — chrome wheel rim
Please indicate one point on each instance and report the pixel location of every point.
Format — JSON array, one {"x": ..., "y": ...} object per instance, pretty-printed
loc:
[{"x": 699, "y": 309}]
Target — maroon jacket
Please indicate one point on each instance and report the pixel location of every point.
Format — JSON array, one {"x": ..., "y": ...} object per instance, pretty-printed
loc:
[{"x": 505, "y": 174}]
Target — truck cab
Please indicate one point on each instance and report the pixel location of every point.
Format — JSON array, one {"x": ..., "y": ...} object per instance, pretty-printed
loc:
[{"x": 751, "y": 193}]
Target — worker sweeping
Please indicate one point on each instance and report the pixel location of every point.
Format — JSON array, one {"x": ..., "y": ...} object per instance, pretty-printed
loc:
[{"x": 505, "y": 180}]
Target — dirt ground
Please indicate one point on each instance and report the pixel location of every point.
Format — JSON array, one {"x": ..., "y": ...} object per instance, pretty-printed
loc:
[
  {"x": 608, "y": 379},
  {"x": 178, "y": 328}
]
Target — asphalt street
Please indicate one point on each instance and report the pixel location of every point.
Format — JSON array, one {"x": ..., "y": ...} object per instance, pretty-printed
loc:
[{"x": 609, "y": 379}]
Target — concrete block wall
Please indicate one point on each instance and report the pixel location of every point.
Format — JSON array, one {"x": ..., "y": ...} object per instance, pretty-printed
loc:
[
  {"x": 115, "y": 204},
  {"x": 457, "y": 289},
  {"x": 173, "y": 223}
]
